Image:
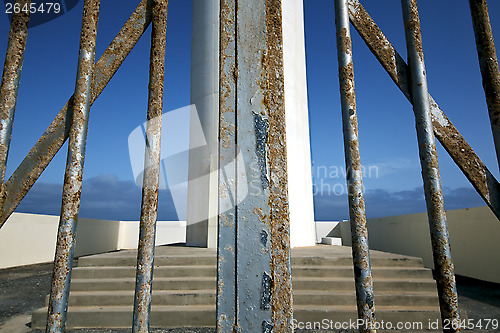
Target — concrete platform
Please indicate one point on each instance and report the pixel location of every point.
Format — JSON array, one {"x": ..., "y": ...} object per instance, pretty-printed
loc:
[{"x": 185, "y": 279}]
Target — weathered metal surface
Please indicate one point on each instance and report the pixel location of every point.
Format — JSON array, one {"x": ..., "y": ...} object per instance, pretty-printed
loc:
[
  {"x": 488, "y": 63},
  {"x": 443, "y": 265},
  {"x": 258, "y": 297},
  {"x": 279, "y": 239},
  {"x": 10, "y": 83},
  {"x": 151, "y": 182},
  {"x": 359, "y": 230},
  {"x": 458, "y": 148},
  {"x": 63, "y": 261},
  {"x": 56, "y": 134},
  {"x": 227, "y": 303}
]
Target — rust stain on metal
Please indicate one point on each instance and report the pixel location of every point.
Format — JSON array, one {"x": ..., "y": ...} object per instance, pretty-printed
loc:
[
  {"x": 149, "y": 206},
  {"x": 488, "y": 63},
  {"x": 359, "y": 232},
  {"x": 278, "y": 181},
  {"x": 57, "y": 133},
  {"x": 10, "y": 84},
  {"x": 378, "y": 44},
  {"x": 451, "y": 139},
  {"x": 121, "y": 46},
  {"x": 445, "y": 278},
  {"x": 413, "y": 24},
  {"x": 63, "y": 261}
]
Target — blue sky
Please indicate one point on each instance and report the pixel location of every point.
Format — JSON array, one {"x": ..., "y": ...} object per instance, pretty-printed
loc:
[{"x": 386, "y": 123}]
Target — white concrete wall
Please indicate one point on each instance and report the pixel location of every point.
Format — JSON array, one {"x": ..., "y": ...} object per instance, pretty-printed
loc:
[
  {"x": 327, "y": 229},
  {"x": 300, "y": 189},
  {"x": 31, "y": 238},
  {"x": 474, "y": 234},
  {"x": 28, "y": 239},
  {"x": 167, "y": 232}
]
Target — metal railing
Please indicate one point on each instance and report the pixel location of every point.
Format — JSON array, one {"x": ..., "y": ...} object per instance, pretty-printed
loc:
[{"x": 254, "y": 236}]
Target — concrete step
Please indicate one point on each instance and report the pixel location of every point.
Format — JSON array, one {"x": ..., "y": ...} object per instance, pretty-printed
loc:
[
  {"x": 382, "y": 298},
  {"x": 131, "y": 260},
  {"x": 331, "y": 240},
  {"x": 347, "y": 271},
  {"x": 126, "y": 297},
  {"x": 331, "y": 315},
  {"x": 103, "y": 272},
  {"x": 184, "y": 287},
  {"x": 346, "y": 261},
  {"x": 178, "y": 283},
  {"x": 210, "y": 261},
  {"x": 299, "y": 283},
  {"x": 121, "y": 316},
  {"x": 90, "y": 272},
  {"x": 204, "y": 316},
  {"x": 207, "y": 297},
  {"x": 384, "y": 284}
]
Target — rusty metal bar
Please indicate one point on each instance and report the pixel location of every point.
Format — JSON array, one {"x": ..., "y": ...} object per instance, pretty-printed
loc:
[
  {"x": 227, "y": 305},
  {"x": 488, "y": 63},
  {"x": 149, "y": 205},
  {"x": 359, "y": 230},
  {"x": 10, "y": 83},
  {"x": 56, "y": 134},
  {"x": 276, "y": 159},
  {"x": 443, "y": 265},
  {"x": 454, "y": 143},
  {"x": 259, "y": 297},
  {"x": 63, "y": 261}
]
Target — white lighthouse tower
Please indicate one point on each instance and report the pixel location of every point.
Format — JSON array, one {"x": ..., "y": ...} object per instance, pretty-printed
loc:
[{"x": 203, "y": 162}]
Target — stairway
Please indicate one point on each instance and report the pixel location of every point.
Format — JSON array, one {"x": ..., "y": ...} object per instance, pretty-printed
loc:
[{"x": 102, "y": 288}]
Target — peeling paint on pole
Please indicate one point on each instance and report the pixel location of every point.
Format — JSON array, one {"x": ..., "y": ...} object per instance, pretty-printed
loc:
[
  {"x": 254, "y": 238},
  {"x": 10, "y": 84},
  {"x": 56, "y": 134},
  {"x": 66, "y": 237},
  {"x": 359, "y": 231},
  {"x": 443, "y": 265},
  {"x": 151, "y": 182},
  {"x": 456, "y": 146}
]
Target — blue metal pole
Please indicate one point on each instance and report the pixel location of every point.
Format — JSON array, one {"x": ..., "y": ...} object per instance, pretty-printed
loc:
[
  {"x": 360, "y": 250},
  {"x": 149, "y": 206},
  {"x": 488, "y": 63},
  {"x": 63, "y": 262},
  {"x": 254, "y": 276},
  {"x": 10, "y": 83},
  {"x": 445, "y": 276}
]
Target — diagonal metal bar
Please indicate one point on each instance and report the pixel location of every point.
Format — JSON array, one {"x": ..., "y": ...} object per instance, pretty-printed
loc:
[
  {"x": 66, "y": 236},
  {"x": 441, "y": 251},
  {"x": 488, "y": 63},
  {"x": 454, "y": 143},
  {"x": 10, "y": 82},
  {"x": 151, "y": 182},
  {"x": 359, "y": 231},
  {"x": 57, "y": 133}
]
